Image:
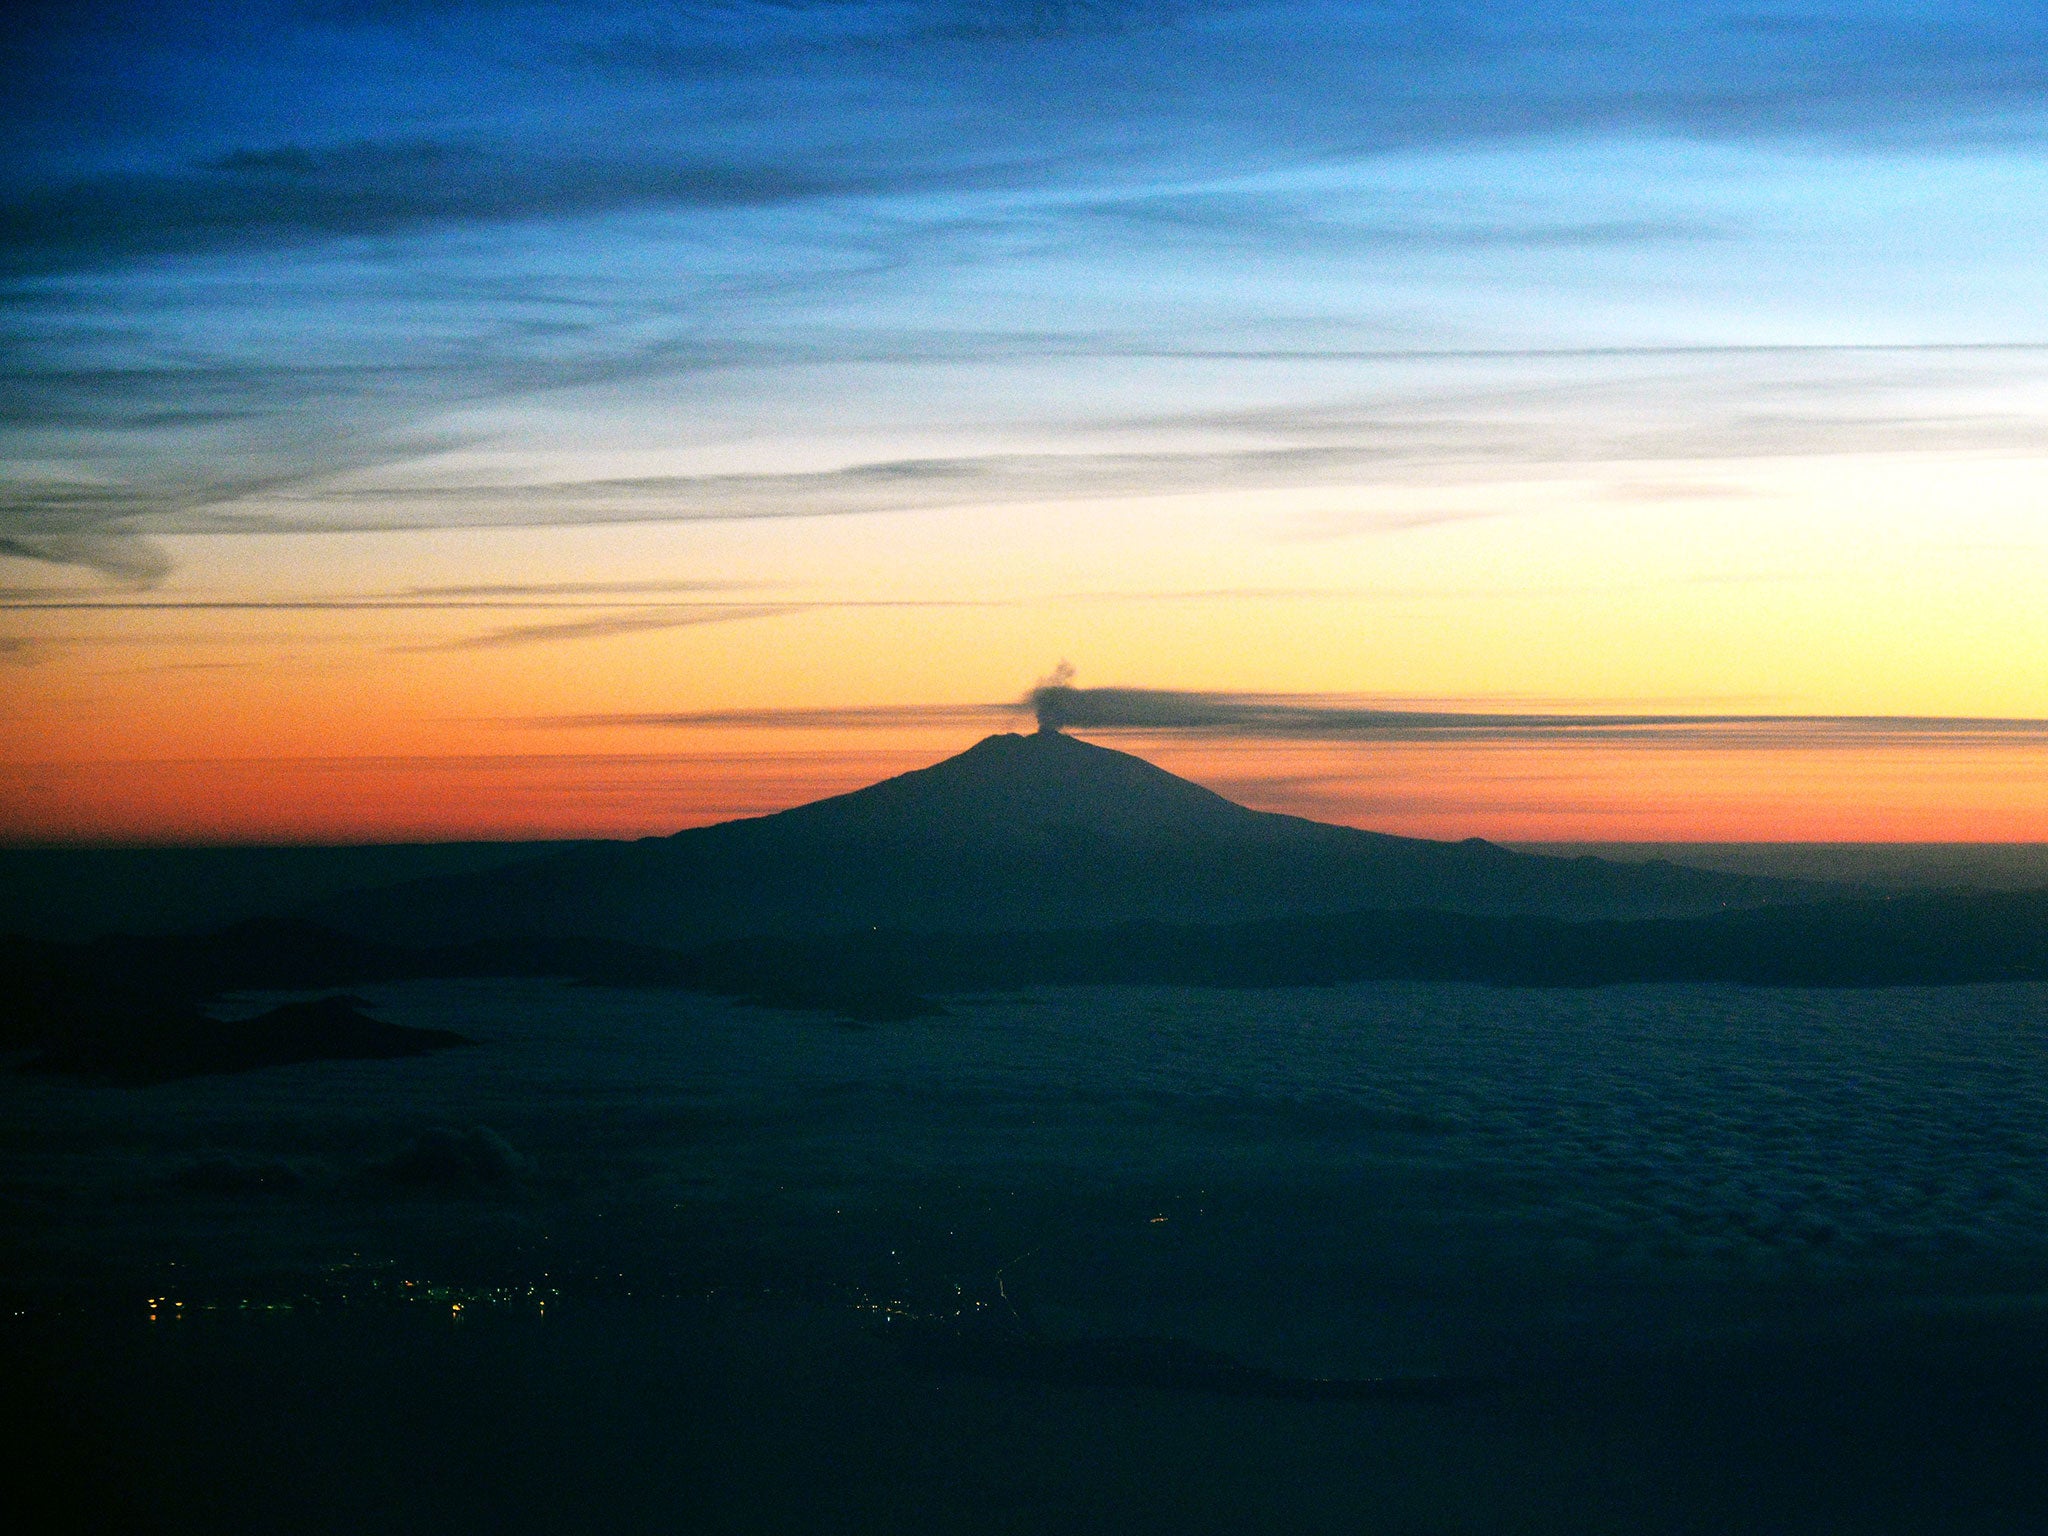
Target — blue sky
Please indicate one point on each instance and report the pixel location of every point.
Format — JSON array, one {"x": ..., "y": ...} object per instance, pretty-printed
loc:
[{"x": 250, "y": 248}]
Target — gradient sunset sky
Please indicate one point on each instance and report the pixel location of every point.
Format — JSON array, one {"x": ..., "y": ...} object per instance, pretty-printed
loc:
[{"x": 472, "y": 419}]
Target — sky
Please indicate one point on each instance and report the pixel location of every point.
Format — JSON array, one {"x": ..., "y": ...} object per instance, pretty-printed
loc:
[{"x": 518, "y": 420}]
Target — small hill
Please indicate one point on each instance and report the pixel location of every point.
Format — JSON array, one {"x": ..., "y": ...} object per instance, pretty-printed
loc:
[
  {"x": 162, "y": 1040},
  {"x": 1019, "y": 832}
]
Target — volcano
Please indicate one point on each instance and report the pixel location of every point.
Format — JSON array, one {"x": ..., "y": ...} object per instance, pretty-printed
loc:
[{"x": 1019, "y": 832}]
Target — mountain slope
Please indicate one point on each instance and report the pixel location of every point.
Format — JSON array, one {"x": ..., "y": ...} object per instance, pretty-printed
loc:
[{"x": 1017, "y": 832}]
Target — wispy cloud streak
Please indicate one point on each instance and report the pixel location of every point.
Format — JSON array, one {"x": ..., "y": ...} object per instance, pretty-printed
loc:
[
  {"x": 1489, "y": 416},
  {"x": 639, "y": 622},
  {"x": 295, "y": 195},
  {"x": 852, "y": 717},
  {"x": 642, "y": 619}
]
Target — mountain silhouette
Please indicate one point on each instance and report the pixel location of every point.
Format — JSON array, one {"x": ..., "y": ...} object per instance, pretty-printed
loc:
[{"x": 1019, "y": 832}]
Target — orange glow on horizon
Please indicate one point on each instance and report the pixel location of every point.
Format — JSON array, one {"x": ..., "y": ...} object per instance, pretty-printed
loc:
[
  {"x": 1874, "y": 586},
  {"x": 1518, "y": 792}
]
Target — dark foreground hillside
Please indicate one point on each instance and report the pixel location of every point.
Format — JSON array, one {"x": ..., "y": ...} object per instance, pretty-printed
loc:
[
  {"x": 1928, "y": 940},
  {"x": 84, "y": 892}
]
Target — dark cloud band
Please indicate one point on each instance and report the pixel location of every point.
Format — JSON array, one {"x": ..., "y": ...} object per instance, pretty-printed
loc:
[
  {"x": 1315, "y": 718},
  {"x": 1249, "y": 717}
]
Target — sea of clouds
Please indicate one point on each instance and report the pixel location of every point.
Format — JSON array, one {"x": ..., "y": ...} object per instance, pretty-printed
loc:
[{"x": 1357, "y": 1176}]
